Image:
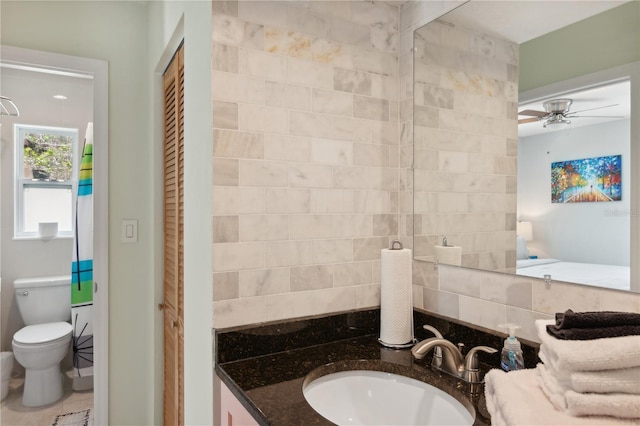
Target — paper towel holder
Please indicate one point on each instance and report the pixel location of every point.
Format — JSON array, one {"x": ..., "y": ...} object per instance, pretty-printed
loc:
[
  {"x": 398, "y": 346},
  {"x": 393, "y": 245},
  {"x": 445, "y": 243},
  {"x": 396, "y": 245}
]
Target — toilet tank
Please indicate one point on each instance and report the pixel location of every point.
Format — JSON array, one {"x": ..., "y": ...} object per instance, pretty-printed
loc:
[{"x": 44, "y": 299}]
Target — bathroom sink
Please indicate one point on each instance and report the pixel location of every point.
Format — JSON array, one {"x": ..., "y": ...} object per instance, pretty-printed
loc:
[{"x": 364, "y": 397}]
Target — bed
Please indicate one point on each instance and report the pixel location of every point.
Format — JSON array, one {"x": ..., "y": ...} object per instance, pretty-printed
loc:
[{"x": 609, "y": 276}]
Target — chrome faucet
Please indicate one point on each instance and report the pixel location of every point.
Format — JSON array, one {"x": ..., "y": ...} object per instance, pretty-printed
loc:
[{"x": 453, "y": 362}]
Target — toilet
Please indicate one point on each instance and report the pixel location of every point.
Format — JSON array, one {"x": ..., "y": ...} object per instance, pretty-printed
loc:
[{"x": 45, "y": 307}]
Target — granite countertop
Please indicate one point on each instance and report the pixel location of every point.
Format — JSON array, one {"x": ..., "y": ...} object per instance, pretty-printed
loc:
[{"x": 265, "y": 366}]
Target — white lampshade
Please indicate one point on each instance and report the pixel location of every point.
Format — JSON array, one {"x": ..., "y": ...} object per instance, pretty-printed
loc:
[{"x": 525, "y": 230}]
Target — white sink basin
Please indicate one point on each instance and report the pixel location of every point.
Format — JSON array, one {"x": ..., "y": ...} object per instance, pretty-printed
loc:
[{"x": 363, "y": 397}]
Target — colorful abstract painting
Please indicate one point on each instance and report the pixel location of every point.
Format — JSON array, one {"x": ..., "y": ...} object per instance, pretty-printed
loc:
[{"x": 587, "y": 180}]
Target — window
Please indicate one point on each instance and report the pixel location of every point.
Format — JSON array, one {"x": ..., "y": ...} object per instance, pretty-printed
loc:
[{"x": 45, "y": 178}]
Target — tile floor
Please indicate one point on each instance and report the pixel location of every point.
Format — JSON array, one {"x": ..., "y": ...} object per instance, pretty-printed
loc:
[{"x": 13, "y": 413}]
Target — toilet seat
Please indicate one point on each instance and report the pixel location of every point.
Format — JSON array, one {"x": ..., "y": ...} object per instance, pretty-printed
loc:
[{"x": 38, "y": 334}]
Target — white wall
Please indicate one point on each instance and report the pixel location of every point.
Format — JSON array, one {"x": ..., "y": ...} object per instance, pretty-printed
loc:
[
  {"x": 117, "y": 33},
  {"x": 575, "y": 232},
  {"x": 169, "y": 23}
]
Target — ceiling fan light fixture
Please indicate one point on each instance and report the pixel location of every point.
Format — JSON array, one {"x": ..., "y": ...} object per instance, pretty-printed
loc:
[
  {"x": 556, "y": 121},
  {"x": 557, "y": 106}
]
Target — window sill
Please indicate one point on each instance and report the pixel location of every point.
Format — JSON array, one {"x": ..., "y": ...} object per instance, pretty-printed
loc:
[{"x": 38, "y": 237}]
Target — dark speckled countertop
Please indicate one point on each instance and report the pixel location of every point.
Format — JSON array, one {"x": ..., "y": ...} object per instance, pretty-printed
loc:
[{"x": 265, "y": 366}]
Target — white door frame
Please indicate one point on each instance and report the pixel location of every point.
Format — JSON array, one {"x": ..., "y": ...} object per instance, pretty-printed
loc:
[{"x": 98, "y": 71}]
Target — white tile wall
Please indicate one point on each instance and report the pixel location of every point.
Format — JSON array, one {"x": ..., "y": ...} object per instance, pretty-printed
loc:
[
  {"x": 463, "y": 122},
  {"x": 313, "y": 148},
  {"x": 305, "y": 156},
  {"x": 490, "y": 298}
]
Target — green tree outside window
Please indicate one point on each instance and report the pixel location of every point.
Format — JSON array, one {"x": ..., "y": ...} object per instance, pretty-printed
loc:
[{"x": 48, "y": 157}]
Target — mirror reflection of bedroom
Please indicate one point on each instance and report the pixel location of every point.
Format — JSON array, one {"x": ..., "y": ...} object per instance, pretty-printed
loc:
[
  {"x": 559, "y": 177},
  {"x": 574, "y": 184}
]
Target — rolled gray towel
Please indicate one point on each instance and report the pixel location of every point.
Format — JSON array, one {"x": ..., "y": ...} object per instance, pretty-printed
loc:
[
  {"x": 596, "y": 319},
  {"x": 592, "y": 333}
]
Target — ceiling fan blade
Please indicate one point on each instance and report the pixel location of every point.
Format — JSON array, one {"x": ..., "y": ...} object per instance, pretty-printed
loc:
[
  {"x": 590, "y": 109},
  {"x": 529, "y": 120},
  {"x": 598, "y": 116},
  {"x": 533, "y": 113}
]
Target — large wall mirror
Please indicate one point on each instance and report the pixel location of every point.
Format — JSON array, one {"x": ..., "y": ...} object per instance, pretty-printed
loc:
[{"x": 526, "y": 140}]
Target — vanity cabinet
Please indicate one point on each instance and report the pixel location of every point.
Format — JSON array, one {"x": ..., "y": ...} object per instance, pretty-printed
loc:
[{"x": 232, "y": 413}]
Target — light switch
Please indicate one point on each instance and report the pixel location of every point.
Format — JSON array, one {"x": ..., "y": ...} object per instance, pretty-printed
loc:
[{"x": 129, "y": 231}]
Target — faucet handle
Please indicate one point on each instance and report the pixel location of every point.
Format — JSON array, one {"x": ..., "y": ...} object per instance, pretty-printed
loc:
[
  {"x": 471, "y": 372},
  {"x": 471, "y": 360}
]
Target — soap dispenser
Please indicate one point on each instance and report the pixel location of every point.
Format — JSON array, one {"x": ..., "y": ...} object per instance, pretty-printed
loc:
[{"x": 511, "y": 357}]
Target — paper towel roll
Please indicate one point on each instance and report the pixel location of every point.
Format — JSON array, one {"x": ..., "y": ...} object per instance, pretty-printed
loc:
[
  {"x": 450, "y": 255},
  {"x": 396, "y": 298}
]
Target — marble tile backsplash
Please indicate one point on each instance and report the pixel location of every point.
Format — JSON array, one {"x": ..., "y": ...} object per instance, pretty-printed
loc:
[
  {"x": 313, "y": 156},
  {"x": 488, "y": 298},
  {"x": 464, "y": 123},
  {"x": 306, "y": 148}
]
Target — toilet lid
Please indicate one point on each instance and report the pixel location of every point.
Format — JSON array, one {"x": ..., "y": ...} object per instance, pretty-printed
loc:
[{"x": 42, "y": 333}]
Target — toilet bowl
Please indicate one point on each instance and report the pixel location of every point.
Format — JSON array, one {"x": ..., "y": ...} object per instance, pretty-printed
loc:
[
  {"x": 40, "y": 349},
  {"x": 45, "y": 307}
]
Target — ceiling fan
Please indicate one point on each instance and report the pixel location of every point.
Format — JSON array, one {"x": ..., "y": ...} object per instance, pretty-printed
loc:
[{"x": 556, "y": 112}]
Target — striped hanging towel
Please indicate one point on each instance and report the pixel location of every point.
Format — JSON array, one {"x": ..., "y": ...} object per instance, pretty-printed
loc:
[{"x": 82, "y": 272}]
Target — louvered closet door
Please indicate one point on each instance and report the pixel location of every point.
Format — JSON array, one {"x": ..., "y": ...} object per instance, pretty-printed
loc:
[{"x": 173, "y": 281}]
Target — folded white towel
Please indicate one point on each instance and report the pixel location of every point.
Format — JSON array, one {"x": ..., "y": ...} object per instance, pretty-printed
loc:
[
  {"x": 587, "y": 404},
  {"x": 625, "y": 380},
  {"x": 622, "y": 380},
  {"x": 551, "y": 388},
  {"x": 621, "y": 405},
  {"x": 515, "y": 398},
  {"x": 589, "y": 355}
]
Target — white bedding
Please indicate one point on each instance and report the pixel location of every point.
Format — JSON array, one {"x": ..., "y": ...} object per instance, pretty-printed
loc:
[{"x": 609, "y": 276}]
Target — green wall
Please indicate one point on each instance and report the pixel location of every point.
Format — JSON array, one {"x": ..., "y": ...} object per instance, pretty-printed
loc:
[{"x": 606, "y": 40}]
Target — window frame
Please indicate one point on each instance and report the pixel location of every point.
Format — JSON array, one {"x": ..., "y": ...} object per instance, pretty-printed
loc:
[{"x": 21, "y": 182}]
